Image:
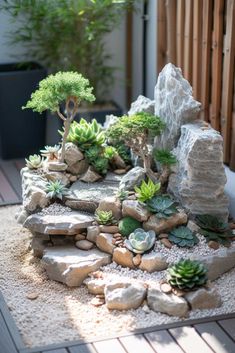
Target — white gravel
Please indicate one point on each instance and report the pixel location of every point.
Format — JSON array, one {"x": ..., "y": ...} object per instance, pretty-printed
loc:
[
  {"x": 55, "y": 209},
  {"x": 60, "y": 313}
]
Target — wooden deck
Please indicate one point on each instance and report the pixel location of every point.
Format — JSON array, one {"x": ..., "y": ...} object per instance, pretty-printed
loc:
[
  {"x": 208, "y": 335},
  {"x": 10, "y": 182}
]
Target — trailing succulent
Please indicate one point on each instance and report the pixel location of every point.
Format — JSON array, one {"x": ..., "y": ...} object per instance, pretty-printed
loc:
[
  {"x": 187, "y": 275},
  {"x": 214, "y": 228},
  {"x": 50, "y": 152},
  {"x": 105, "y": 217},
  {"x": 183, "y": 237},
  {"x": 34, "y": 161},
  {"x": 128, "y": 225},
  {"x": 140, "y": 241},
  {"x": 56, "y": 190},
  {"x": 147, "y": 190},
  {"x": 163, "y": 206}
]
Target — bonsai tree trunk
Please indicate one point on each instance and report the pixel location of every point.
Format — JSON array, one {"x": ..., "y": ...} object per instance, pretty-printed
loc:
[
  {"x": 67, "y": 124},
  {"x": 164, "y": 176}
]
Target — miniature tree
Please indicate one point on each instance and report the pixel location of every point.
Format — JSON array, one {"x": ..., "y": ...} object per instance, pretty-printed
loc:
[
  {"x": 64, "y": 87},
  {"x": 135, "y": 131}
]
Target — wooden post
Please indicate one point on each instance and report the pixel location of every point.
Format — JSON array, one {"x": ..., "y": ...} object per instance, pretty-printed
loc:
[
  {"x": 180, "y": 34},
  {"x": 161, "y": 35},
  {"x": 171, "y": 30},
  {"x": 188, "y": 40},
  {"x": 129, "y": 36},
  {"x": 197, "y": 48}
]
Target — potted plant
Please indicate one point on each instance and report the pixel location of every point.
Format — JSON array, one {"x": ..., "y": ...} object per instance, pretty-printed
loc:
[{"x": 70, "y": 35}]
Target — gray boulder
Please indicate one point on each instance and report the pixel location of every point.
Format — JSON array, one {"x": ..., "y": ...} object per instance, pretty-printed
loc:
[
  {"x": 132, "y": 178},
  {"x": 142, "y": 104},
  {"x": 203, "y": 298}
]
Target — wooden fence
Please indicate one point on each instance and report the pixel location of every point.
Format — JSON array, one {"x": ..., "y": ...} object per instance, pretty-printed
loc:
[{"x": 199, "y": 37}]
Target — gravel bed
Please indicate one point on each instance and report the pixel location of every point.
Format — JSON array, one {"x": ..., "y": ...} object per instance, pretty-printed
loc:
[
  {"x": 55, "y": 209},
  {"x": 60, "y": 313}
]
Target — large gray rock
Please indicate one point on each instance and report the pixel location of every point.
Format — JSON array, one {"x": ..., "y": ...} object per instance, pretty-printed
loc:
[
  {"x": 132, "y": 178},
  {"x": 153, "y": 262},
  {"x": 68, "y": 223},
  {"x": 142, "y": 104},
  {"x": 203, "y": 298},
  {"x": 199, "y": 178},
  {"x": 166, "y": 303},
  {"x": 134, "y": 209},
  {"x": 70, "y": 265},
  {"x": 175, "y": 105},
  {"x": 124, "y": 295}
]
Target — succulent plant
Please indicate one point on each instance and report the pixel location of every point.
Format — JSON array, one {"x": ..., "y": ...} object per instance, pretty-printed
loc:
[
  {"x": 122, "y": 195},
  {"x": 213, "y": 228},
  {"x": 34, "y": 161},
  {"x": 124, "y": 152},
  {"x": 56, "y": 190},
  {"x": 109, "y": 152},
  {"x": 187, "y": 275},
  {"x": 140, "y": 241},
  {"x": 127, "y": 225},
  {"x": 183, "y": 237},
  {"x": 162, "y": 205},
  {"x": 165, "y": 157},
  {"x": 147, "y": 190},
  {"x": 50, "y": 152},
  {"x": 101, "y": 165},
  {"x": 105, "y": 217}
]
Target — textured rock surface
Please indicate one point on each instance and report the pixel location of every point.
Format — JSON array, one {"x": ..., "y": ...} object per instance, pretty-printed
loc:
[
  {"x": 72, "y": 154},
  {"x": 123, "y": 257},
  {"x": 68, "y": 223},
  {"x": 90, "y": 176},
  {"x": 95, "y": 285},
  {"x": 57, "y": 166},
  {"x": 79, "y": 167},
  {"x": 124, "y": 296},
  {"x": 161, "y": 225},
  {"x": 142, "y": 104},
  {"x": 70, "y": 265},
  {"x": 153, "y": 262},
  {"x": 108, "y": 229},
  {"x": 132, "y": 178},
  {"x": 53, "y": 176},
  {"x": 203, "y": 298},
  {"x": 166, "y": 303},
  {"x": 134, "y": 209},
  {"x": 199, "y": 178},
  {"x": 111, "y": 204},
  {"x": 84, "y": 244},
  {"x": 92, "y": 233},
  {"x": 175, "y": 104},
  {"x": 104, "y": 242}
]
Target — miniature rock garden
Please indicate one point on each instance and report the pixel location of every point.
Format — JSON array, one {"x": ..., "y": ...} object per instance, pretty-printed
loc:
[{"x": 145, "y": 192}]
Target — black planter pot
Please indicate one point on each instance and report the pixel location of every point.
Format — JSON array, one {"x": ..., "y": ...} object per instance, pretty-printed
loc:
[{"x": 22, "y": 132}]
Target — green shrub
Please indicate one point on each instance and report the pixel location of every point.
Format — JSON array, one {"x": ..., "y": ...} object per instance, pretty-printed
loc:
[
  {"x": 127, "y": 225},
  {"x": 147, "y": 191}
]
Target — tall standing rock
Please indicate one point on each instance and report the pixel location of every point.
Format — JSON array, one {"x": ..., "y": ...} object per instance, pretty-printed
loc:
[
  {"x": 199, "y": 178},
  {"x": 175, "y": 105}
]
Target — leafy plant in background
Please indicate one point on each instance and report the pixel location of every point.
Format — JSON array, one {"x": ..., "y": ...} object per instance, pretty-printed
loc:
[
  {"x": 68, "y": 87},
  {"x": 166, "y": 159},
  {"x": 34, "y": 161},
  {"x": 147, "y": 190},
  {"x": 162, "y": 205},
  {"x": 187, "y": 275},
  {"x": 69, "y": 35},
  {"x": 140, "y": 241},
  {"x": 214, "y": 228},
  {"x": 50, "y": 152},
  {"x": 183, "y": 237},
  {"x": 127, "y": 225},
  {"x": 134, "y": 131},
  {"x": 105, "y": 217},
  {"x": 56, "y": 190}
]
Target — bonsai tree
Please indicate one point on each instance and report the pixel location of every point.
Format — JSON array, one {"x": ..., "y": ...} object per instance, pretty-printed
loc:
[
  {"x": 64, "y": 87},
  {"x": 135, "y": 131}
]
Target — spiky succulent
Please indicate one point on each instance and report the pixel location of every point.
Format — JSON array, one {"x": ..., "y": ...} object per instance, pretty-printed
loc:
[
  {"x": 214, "y": 228},
  {"x": 105, "y": 217},
  {"x": 140, "y": 241},
  {"x": 147, "y": 190},
  {"x": 183, "y": 237},
  {"x": 34, "y": 161},
  {"x": 50, "y": 152},
  {"x": 127, "y": 225},
  {"x": 187, "y": 275},
  {"x": 109, "y": 152},
  {"x": 56, "y": 190},
  {"x": 165, "y": 157},
  {"x": 163, "y": 206},
  {"x": 122, "y": 195},
  {"x": 93, "y": 153},
  {"x": 101, "y": 165}
]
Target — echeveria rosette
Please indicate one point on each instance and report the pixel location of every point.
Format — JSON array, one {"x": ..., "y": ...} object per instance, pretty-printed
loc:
[
  {"x": 140, "y": 241},
  {"x": 183, "y": 237},
  {"x": 163, "y": 206}
]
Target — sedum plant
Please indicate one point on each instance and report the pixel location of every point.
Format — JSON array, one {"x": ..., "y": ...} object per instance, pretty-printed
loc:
[
  {"x": 147, "y": 190},
  {"x": 50, "y": 152},
  {"x": 140, "y": 241},
  {"x": 56, "y": 190},
  {"x": 163, "y": 206},
  {"x": 105, "y": 217},
  {"x": 34, "y": 161},
  {"x": 64, "y": 87},
  {"x": 183, "y": 237},
  {"x": 187, "y": 275},
  {"x": 127, "y": 225}
]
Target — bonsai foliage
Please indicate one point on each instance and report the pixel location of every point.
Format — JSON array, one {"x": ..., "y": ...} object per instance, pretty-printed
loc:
[
  {"x": 183, "y": 237},
  {"x": 134, "y": 131},
  {"x": 64, "y": 87},
  {"x": 34, "y": 161},
  {"x": 127, "y": 225},
  {"x": 166, "y": 159},
  {"x": 147, "y": 191},
  {"x": 140, "y": 241},
  {"x": 56, "y": 190},
  {"x": 50, "y": 152},
  {"x": 215, "y": 229},
  {"x": 187, "y": 275},
  {"x": 162, "y": 205},
  {"x": 105, "y": 217}
]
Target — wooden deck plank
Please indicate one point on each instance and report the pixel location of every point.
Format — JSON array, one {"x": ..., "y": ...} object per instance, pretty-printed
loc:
[
  {"x": 215, "y": 337},
  {"x": 189, "y": 340},
  {"x": 6, "y": 190},
  {"x": 229, "y": 326},
  {"x": 109, "y": 346},
  {"x": 19, "y": 163},
  {"x": 136, "y": 343},
  {"x": 162, "y": 342},
  {"x": 83, "y": 348},
  {"x": 13, "y": 176},
  {"x": 6, "y": 343}
]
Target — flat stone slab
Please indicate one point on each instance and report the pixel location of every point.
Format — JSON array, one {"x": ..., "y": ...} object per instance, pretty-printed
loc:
[
  {"x": 70, "y": 265},
  {"x": 68, "y": 223}
]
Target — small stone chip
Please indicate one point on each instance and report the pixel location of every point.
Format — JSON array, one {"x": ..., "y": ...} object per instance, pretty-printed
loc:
[
  {"x": 32, "y": 296},
  {"x": 213, "y": 244},
  {"x": 163, "y": 236},
  {"x": 166, "y": 288},
  {"x": 137, "y": 260},
  {"x": 97, "y": 301},
  {"x": 166, "y": 243}
]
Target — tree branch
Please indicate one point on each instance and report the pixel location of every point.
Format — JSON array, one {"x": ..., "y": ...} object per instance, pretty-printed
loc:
[{"x": 61, "y": 115}]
